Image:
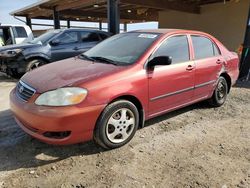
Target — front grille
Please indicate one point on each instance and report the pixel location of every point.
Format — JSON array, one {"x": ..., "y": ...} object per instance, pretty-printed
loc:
[{"x": 24, "y": 92}]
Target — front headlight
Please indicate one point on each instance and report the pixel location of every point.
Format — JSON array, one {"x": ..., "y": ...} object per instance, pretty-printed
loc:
[
  {"x": 62, "y": 97},
  {"x": 10, "y": 53}
]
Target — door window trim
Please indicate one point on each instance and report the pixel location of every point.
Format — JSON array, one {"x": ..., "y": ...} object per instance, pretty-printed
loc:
[
  {"x": 69, "y": 42},
  {"x": 164, "y": 40},
  {"x": 211, "y": 40}
]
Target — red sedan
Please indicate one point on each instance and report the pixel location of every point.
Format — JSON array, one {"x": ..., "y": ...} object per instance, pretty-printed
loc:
[{"x": 108, "y": 92}]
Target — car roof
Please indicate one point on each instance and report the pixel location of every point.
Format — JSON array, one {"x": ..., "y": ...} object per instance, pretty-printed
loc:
[
  {"x": 79, "y": 29},
  {"x": 13, "y": 25},
  {"x": 166, "y": 31}
]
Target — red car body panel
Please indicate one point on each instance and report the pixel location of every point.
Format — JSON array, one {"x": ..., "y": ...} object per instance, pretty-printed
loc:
[
  {"x": 38, "y": 120},
  {"x": 163, "y": 89}
]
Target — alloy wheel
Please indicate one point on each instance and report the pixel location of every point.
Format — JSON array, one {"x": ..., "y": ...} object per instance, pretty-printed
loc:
[
  {"x": 36, "y": 65},
  {"x": 221, "y": 90},
  {"x": 120, "y": 125}
]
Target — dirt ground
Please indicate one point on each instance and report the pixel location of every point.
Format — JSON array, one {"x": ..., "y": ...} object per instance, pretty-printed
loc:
[{"x": 196, "y": 146}]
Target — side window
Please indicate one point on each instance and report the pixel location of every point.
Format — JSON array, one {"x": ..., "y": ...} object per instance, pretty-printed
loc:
[
  {"x": 68, "y": 37},
  {"x": 216, "y": 50},
  {"x": 204, "y": 47},
  {"x": 103, "y": 36},
  {"x": 89, "y": 37},
  {"x": 176, "y": 47},
  {"x": 20, "y": 32}
]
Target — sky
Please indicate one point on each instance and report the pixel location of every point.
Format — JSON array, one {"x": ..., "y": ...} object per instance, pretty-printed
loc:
[{"x": 7, "y": 6}]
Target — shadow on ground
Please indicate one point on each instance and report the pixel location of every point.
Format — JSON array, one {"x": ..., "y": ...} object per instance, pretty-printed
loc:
[
  {"x": 201, "y": 105},
  {"x": 243, "y": 84},
  {"x": 19, "y": 150}
]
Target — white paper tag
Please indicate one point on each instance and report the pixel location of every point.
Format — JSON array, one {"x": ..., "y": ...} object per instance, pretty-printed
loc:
[{"x": 148, "y": 36}]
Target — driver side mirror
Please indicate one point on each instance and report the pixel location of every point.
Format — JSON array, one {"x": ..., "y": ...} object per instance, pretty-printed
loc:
[
  {"x": 54, "y": 42},
  {"x": 160, "y": 60}
]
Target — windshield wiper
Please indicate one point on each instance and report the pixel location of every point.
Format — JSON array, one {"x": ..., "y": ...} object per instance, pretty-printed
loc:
[
  {"x": 106, "y": 60},
  {"x": 86, "y": 57}
]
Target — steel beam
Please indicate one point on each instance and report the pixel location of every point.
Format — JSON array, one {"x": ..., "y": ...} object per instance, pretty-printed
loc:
[
  {"x": 113, "y": 16},
  {"x": 100, "y": 25},
  {"x": 28, "y": 22},
  {"x": 125, "y": 26},
  {"x": 245, "y": 57},
  {"x": 56, "y": 19},
  {"x": 68, "y": 23}
]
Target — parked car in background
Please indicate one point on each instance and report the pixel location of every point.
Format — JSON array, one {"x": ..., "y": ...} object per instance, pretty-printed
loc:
[
  {"x": 109, "y": 91},
  {"x": 14, "y": 34},
  {"x": 52, "y": 46}
]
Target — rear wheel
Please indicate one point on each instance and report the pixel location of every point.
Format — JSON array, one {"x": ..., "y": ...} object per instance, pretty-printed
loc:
[
  {"x": 33, "y": 64},
  {"x": 220, "y": 93},
  {"x": 117, "y": 124}
]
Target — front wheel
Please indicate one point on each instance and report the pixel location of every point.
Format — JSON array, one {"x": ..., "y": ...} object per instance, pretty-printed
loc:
[
  {"x": 33, "y": 64},
  {"x": 220, "y": 93},
  {"x": 117, "y": 124}
]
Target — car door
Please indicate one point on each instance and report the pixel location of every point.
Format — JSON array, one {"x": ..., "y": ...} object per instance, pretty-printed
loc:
[
  {"x": 208, "y": 63},
  {"x": 65, "y": 46},
  {"x": 88, "y": 40},
  {"x": 171, "y": 86}
]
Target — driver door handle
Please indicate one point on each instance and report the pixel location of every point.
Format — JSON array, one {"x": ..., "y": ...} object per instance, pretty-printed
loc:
[{"x": 76, "y": 48}]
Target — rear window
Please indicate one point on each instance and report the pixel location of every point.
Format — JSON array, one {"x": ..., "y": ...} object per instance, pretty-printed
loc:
[
  {"x": 216, "y": 50},
  {"x": 204, "y": 47},
  {"x": 89, "y": 37},
  {"x": 103, "y": 36},
  {"x": 19, "y": 32}
]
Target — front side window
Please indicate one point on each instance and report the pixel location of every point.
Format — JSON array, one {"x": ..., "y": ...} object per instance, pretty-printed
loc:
[
  {"x": 46, "y": 37},
  {"x": 175, "y": 47},
  {"x": 204, "y": 47},
  {"x": 20, "y": 32},
  {"x": 68, "y": 37}
]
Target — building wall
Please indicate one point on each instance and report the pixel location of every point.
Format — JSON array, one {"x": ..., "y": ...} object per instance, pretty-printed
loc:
[{"x": 227, "y": 22}]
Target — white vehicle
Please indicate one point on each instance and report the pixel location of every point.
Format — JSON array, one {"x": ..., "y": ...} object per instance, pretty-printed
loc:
[{"x": 15, "y": 34}]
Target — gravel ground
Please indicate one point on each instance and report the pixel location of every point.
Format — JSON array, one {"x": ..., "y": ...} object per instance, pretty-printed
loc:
[{"x": 196, "y": 146}]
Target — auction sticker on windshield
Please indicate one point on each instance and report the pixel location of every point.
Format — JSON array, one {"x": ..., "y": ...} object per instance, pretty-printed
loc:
[{"x": 148, "y": 36}]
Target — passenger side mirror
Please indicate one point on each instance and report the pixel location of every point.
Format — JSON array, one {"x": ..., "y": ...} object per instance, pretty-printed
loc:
[
  {"x": 160, "y": 60},
  {"x": 54, "y": 42}
]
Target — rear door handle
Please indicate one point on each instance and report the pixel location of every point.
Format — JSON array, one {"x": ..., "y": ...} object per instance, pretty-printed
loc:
[
  {"x": 190, "y": 67},
  {"x": 76, "y": 48},
  {"x": 219, "y": 61}
]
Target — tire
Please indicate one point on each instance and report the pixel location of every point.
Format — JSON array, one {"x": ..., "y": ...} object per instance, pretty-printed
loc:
[
  {"x": 220, "y": 93},
  {"x": 117, "y": 124},
  {"x": 33, "y": 64}
]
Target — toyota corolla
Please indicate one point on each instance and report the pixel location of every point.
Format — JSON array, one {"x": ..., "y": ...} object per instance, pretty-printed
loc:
[{"x": 108, "y": 92}]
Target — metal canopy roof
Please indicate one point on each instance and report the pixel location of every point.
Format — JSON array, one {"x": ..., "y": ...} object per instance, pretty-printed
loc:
[{"x": 96, "y": 10}]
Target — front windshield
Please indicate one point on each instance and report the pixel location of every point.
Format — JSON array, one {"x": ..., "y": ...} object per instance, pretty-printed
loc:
[
  {"x": 123, "y": 49},
  {"x": 44, "y": 38}
]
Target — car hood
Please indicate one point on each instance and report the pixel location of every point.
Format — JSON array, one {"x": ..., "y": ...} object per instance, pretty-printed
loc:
[
  {"x": 18, "y": 46},
  {"x": 68, "y": 72}
]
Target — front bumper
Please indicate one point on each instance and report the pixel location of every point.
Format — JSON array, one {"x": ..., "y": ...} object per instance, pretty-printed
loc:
[
  {"x": 13, "y": 65},
  {"x": 39, "y": 120}
]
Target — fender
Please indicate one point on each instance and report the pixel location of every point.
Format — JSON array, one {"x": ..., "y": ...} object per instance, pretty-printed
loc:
[
  {"x": 137, "y": 102},
  {"x": 37, "y": 55}
]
